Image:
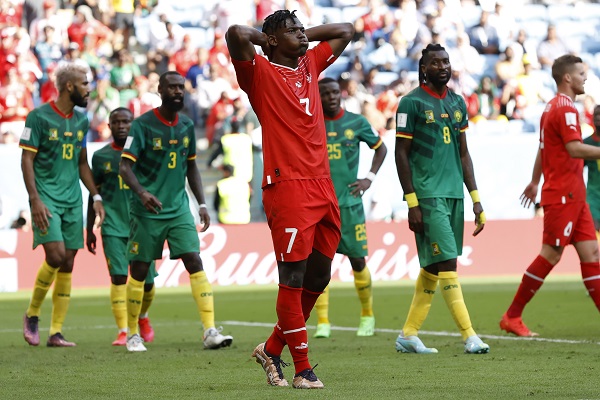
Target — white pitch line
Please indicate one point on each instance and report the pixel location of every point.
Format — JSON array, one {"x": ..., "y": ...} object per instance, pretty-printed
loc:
[{"x": 334, "y": 328}]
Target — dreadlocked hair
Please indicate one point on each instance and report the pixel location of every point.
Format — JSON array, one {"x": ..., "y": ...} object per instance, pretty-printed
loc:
[
  {"x": 424, "y": 53},
  {"x": 276, "y": 20}
]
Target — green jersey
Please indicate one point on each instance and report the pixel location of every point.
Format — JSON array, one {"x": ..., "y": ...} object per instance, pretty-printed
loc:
[
  {"x": 434, "y": 124},
  {"x": 57, "y": 140},
  {"x": 344, "y": 134},
  {"x": 161, "y": 151},
  {"x": 115, "y": 193},
  {"x": 593, "y": 178}
]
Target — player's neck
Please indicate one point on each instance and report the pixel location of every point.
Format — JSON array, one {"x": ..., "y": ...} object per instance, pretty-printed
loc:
[
  {"x": 168, "y": 115},
  {"x": 284, "y": 61},
  {"x": 64, "y": 105},
  {"x": 566, "y": 91}
]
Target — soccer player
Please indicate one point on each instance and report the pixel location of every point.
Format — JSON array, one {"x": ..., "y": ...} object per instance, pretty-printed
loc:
[
  {"x": 567, "y": 216},
  {"x": 159, "y": 154},
  {"x": 593, "y": 173},
  {"x": 54, "y": 160},
  {"x": 298, "y": 195},
  {"x": 433, "y": 161},
  {"x": 345, "y": 131},
  {"x": 115, "y": 229}
]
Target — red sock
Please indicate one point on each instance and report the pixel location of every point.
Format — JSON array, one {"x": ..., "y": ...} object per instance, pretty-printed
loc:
[
  {"x": 590, "y": 272},
  {"x": 292, "y": 326},
  {"x": 308, "y": 302},
  {"x": 532, "y": 280}
]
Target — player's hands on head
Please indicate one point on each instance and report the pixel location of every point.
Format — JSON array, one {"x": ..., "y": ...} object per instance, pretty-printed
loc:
[
  {"x": 529, "y": 194},
  {"x": 204, "y": 218},
  {"x": 358, "y": 188},
  {"x": 415, "y": 219},
  {"x": 151, "y": 203},
  {"x": 40, "y": 214}
]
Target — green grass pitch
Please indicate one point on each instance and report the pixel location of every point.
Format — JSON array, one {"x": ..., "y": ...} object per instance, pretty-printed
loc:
[{"x": 562, "y": 364}]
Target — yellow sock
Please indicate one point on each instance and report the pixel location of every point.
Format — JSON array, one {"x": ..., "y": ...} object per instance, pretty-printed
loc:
[
  {"x": 322, "y": 307},
  {"x": 421, "y": 303},
  {"x": 203, "y": 295},
  {"x": 61, "y": 298},
  {"x": 118, "y": 301},
  {"x": 362, "y": 283},
  {"x": 43, "y": 281},
  {"x": 135, "y": 294},
  {"x": 147, "y": 300},
  {"x": 453, "y": 296}
]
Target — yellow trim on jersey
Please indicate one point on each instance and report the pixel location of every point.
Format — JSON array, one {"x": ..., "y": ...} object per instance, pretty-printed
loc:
[
  {"x": 377, "y": 145},
  {"x": 191, "y": 158},
  {"x": 404, "y": 135},
  {"x": 129, "y": 156},
  {"x": 28, "y": 148}
]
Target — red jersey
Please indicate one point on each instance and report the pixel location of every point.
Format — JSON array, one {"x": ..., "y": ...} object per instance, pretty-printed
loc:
[
  {"x": 288, "y": 105},
  {"x": 563, "y": 175}
]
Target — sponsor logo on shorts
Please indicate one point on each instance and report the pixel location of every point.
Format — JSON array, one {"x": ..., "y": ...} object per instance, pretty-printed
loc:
[{"x": 435, "y": 249}]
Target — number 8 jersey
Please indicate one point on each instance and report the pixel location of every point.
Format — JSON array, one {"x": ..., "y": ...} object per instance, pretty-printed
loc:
[
  {"x": 434, "y": 124},
  {"x": 57, "y": 140}
]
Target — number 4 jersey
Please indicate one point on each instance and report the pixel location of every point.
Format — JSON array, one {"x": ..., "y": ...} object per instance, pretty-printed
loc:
[{"x": 57, "y": 140}]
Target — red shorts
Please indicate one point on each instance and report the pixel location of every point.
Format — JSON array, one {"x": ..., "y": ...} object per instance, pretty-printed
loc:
[
  {"x": 303, "y": 215},
  {"x": 568, "y": 223}
]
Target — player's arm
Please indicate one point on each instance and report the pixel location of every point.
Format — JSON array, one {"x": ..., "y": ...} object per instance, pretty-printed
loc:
[
  {"x": 415, "y": 217},
  {"x": 469, "y": 179},
  {"x": 195, "y": 181},
  {"x": 150, "y": 202},
  {"x": 39, "y": 211},
  {"x": 337, "y": 35},
  {"x": 577, "y": 149},
  {"x": 361, "y": 185},
  {"x": 530, "y": 193},
  {"x": 90, "y": 239},
  {"x": 85, "y": 174},
  {"x": 241, "y": 40}
]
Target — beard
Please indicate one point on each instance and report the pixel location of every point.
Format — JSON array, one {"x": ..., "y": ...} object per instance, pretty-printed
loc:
[
  {"x": 439, "y": 82},
  {"x": 78, "y": 99},
  {"x": 171, "y": 104}
]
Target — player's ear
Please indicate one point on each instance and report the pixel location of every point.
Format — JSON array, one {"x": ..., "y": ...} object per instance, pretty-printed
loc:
[{"x": 272, "y": 40}]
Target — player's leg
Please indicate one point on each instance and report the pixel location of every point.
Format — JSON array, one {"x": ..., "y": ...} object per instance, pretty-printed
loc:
[
  {"x": 72, "y": 231},
  {"x": 182, "y": 238},
  {"x": 364, "y": 290},
  {"x": 146, "y": 329},
  {"x": 322, "y": 308},
  {"x": 587, "y": 249},
  {"x": 115, "y": 252}
]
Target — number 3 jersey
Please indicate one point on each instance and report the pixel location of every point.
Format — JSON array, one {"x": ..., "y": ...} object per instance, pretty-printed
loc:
[
  {"x": 434, "y": 124},
  {"x": 57, "y": 140},
  {"x": 288, "y": 105},
  {"x": 161, "y": 150},
  {"x": 344, "y": 133}
]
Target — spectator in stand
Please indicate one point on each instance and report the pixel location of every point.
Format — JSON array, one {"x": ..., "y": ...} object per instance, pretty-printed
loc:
[
  {"x": 122, "y": 22},
  {"x": 11, "y": 13},
  {"x": 48, "y": 90},
  {"x": 484, "y": 103},
  {"x": 165, "y": 39},
  {"x": 353, "y": 96},
  {"x": 550, "y": 48},
  {"x": 460, "y": 82},
  {"x": 184, "y": 58},
  {"x": 523, "y": 46},
  {"x": 508, "y": 67},
  {"x": 424, "y": 35},
  {"x": 103, "y": 99},
  {"x": 504, "y": 21},
  {"x": 90, "y": 55},
  {"x": 47, "y": 51},
  {"x": 484, "y": 36},
  {"x": 73, "y": 52},
  {"x": 466, "y": 55},
  {"x": 219, "y": 53},
  {"x": 145, "y": 100},
  {"x": 16, "y": 102},
  {"x": 219, "y": 112},
  {"x": 265, "y": 8},
  {"x": 208, "y": 92},
  {"x": 529, "y": 87},
  {"x": 122, "y": 76},
  {"x": 195, "y": 75},
  {"x": 85, "y": 26},
  {"x": 50, "y": 18}
]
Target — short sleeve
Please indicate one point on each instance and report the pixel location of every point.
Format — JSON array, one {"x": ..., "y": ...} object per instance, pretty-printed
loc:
[
  {"x": 568, "y": 124},
  {"x": 406, "y": 117},
  {"x": 32, "y": 133},
  {"x": 191, "y": 148},
  {"x": 367, "y": 134},
  {"x": 134, "y": 145},
  {"x": 97, "y": 170}
]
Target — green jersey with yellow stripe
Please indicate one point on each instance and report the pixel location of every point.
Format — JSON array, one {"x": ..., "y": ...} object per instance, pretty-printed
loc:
[
  {"x": 161, "y": 150},
  {"x": 434, "y": 124},
  {"x": 115, "y": 193},
  {"x": 57, "y": 140},
  {"x": 344, "y": 134}
]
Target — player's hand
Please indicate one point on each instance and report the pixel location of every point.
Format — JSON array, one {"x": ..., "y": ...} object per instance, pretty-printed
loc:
[
  {"x": 90, "y": 241},
  {"x": 529, "y": 194},
  {"x": 358, "y": 188},
  {"x": 204, "y": 218},
  {"x": 40, "y": 214},
  {"x": 151, "y": 203},
  {"x": 479, "y": 218},
  {"x": 100, "y": 214},
  {"x": 415, "y": 219}
]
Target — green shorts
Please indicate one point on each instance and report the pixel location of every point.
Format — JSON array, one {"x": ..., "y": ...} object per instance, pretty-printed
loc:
[
  {"x": 115, "y": 252},
  {"x": 66, "y": 225},
  {"x": 354, "y": 234},
  {"x": 147, "y": 237},
  {"x": 444, "y": 224}
]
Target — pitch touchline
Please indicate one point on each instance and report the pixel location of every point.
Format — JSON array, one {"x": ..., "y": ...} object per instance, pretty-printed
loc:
[{"x": 333, "y": 328}]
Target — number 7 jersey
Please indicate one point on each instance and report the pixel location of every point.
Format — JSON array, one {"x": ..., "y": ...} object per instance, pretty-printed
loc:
[
  {"x": 57, "y": 140},
  {"x": 288, "y": 105}
]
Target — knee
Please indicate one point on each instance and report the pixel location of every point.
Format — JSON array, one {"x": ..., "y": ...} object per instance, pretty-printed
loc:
[
  {"x": 118, "y": 279},
  {"x": 56, "y": 259},
  {"x": 358, "y": 264},
  {"x": 192, "y": 262}
]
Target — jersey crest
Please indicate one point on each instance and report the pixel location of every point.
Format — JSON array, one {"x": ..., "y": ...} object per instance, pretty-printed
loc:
[
  {"x": 156, "y": 144},
  {"x": 429, "y": 117},
  {"x": 458, "y": 116},
  {"x": 54, "y": 134},
  {"x": 107, "y": 167},
  {"x": 186, "y": 142},
  {"x": 349, "y": 134},
  {"x": 80, "y": 136}
]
